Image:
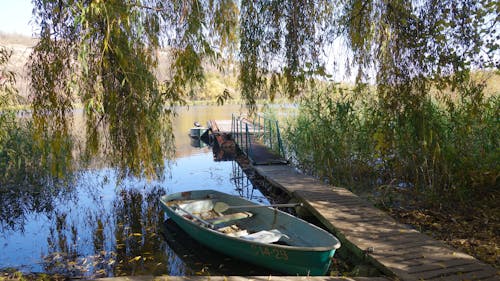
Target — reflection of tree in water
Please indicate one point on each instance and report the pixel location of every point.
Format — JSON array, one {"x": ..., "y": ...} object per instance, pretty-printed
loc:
[
  {"x": 139, "y": 248},
  {"x": 20, "y": 199},
  {"x": 64, "y": 257},
  {"x": 127, "y": 243}
]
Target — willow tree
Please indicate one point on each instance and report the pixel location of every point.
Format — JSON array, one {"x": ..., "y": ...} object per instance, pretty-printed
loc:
[
  {"x": 434, "y": 41},
  {"x": 104, "y": 54},
  {"x": 8, "y": 98},
  {"x": 282, "y": 44},
  {"x": 416, "y": 48},
  {"x": 408, "y": 50},
  {"x": 391, "y": 43}
]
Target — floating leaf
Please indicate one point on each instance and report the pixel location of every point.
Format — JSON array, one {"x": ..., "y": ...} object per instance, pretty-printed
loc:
[{"x": 135, "y": 259}]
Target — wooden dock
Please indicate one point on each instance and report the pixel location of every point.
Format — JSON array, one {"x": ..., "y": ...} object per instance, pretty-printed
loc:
[
  {"x": 394, "y": 248},
  {"x": 219, "y": 130},
  {"x": 220, "y": 126},
  {"x": 261, "y": 155},
  {"x": 255, "y": 150}
]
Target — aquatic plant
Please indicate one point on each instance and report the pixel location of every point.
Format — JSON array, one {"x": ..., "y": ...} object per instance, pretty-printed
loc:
[{"x": 439, "y": 149}]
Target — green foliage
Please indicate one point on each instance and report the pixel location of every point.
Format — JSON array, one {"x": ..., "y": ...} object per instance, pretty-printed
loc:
[
  {"x": 52, "y": 103},
  {"x": 8, "y": 91},
  {"x": 104, "y": 53},
  {"x": 282, "y": 41},
  {"x": 23, "y": 161},
  {"x": 16, "y": 155},
  {"x": 326, "y": 137},
  {"x": 19, "y": 160},
  {"x": 406, "y": 47},
  {"x": 127, "y": 101},
  {"x": 7, "y": 94},
  {"x": 441, "y": 150},
  {"x": 427, "y": 141}
]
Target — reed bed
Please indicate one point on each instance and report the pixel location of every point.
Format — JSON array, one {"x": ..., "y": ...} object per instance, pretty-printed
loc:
[{"x": 444, "y": 150}]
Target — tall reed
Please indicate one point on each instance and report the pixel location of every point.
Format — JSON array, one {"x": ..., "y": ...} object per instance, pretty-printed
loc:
[{"x": 438, "y": 149}]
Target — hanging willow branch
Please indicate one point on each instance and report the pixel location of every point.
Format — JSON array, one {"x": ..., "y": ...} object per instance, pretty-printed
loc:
[
  {"x": 104, "y": 54},
  {"x": 282, "y": 41}
]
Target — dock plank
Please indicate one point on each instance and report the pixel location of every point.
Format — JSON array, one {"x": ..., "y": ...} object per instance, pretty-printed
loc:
[
  {"x": 438, "y": 265},
  {"x": 476, "y": 275},
  {"x": 452, "y": 271}
]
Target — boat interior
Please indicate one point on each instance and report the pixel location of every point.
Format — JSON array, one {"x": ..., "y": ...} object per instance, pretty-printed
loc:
[
  {"x": 264, "y": 225},
  {"x": 236, "y": 223}
]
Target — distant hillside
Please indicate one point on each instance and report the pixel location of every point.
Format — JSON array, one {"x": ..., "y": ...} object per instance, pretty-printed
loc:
[
  {"x": 22, "y": 47},
  {"x": 216, "y": 80},
  {"x": 16, "y": 39}
]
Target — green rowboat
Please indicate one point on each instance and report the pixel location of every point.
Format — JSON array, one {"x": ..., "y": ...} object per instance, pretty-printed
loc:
[{"x": 260, "y": 235}]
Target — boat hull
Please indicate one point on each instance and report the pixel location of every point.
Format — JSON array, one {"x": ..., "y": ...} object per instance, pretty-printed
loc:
[
  {"x": 197, "y": 132},
  {"x": 287, "y": 259}
]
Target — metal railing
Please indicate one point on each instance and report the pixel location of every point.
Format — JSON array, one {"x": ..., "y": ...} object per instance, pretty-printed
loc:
[
  {"x": 269, "y": 133},
  {"x": 241, "y": 135},
  {"x": 243, "y": 184},
  {"x": 264, "y": 129}
]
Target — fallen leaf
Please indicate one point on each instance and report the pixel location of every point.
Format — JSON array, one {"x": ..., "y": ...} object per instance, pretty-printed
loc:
[{"x": 135, "y": 259}]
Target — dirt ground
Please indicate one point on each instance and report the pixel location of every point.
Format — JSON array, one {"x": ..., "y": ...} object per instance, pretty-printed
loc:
[{"x": 473, "y": 228}]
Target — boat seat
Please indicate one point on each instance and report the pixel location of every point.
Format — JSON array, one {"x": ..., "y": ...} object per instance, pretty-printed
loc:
[
  {"x": 230, "y": 217},
  {"x": 233, "y": 230},
  {"x": 265, "y": 236}
]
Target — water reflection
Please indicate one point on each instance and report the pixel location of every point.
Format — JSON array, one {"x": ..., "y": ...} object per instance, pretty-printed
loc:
[
  {"x": 192, "y": 258},
  {"x": 137, "y": 219},
  {"x": 97, "y": 223},
  {"x": 242, "y": 183},
  {"x": 197, "y": 142},
  {"x": 21, "y": 199},
  {"x": 62, "y": 248}
]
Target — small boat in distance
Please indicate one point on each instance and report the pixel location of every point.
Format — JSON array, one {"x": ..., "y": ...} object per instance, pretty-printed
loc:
[
  {"x": 254, "y": 233},
  {"x": 197, "y": 131}
]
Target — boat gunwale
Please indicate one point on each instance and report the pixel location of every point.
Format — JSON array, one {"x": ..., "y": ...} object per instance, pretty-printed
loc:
[{"x": 222, "y": 235}]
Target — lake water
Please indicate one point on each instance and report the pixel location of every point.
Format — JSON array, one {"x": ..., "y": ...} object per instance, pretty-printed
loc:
[{"x": 102, "y": 226}]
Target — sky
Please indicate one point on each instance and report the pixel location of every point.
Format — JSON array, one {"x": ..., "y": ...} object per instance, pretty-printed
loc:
[{"x": 15, "y": 17}]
